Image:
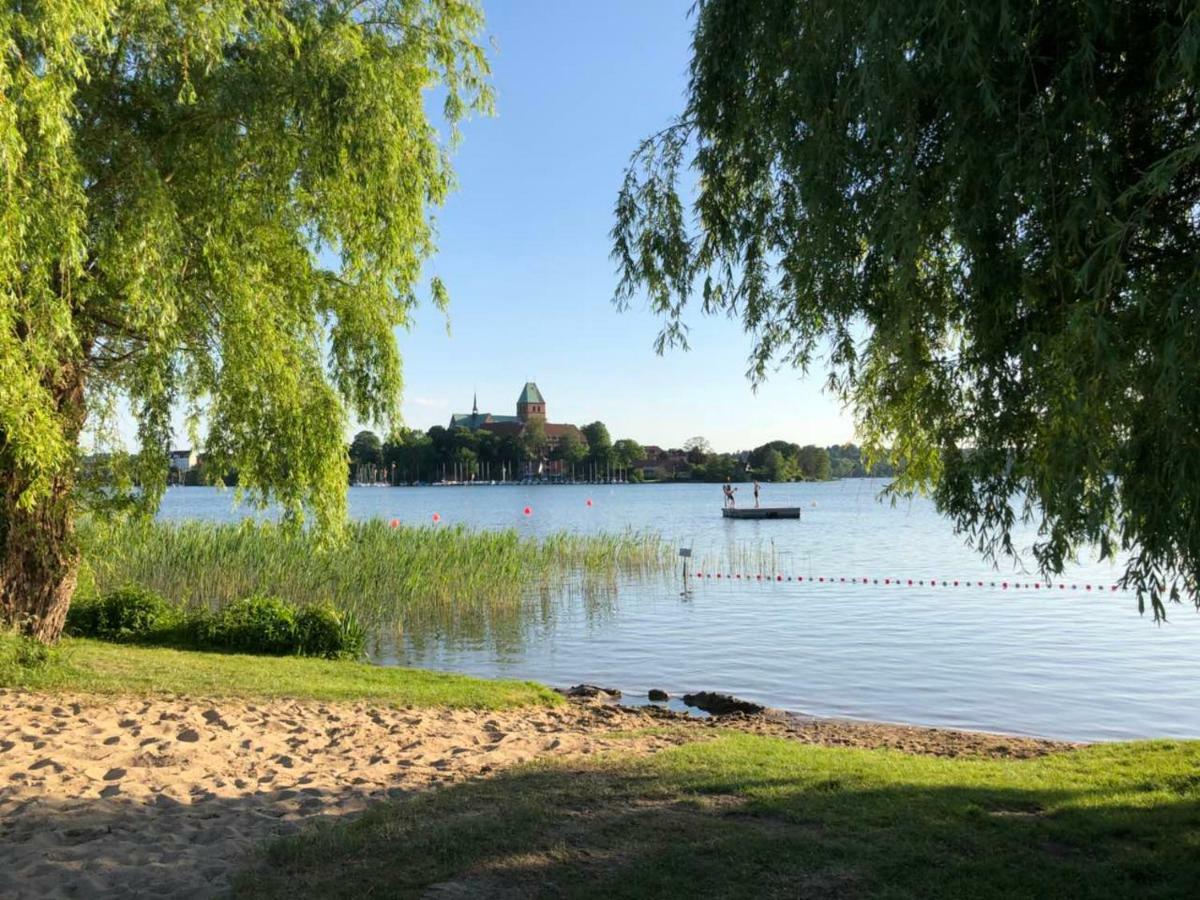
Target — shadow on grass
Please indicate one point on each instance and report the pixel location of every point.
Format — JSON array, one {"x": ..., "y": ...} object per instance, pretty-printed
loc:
[{"x": 751, "y": 817}]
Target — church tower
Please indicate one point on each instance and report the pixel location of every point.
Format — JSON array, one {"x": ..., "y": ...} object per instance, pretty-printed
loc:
[{"x": 531, "y": 404}]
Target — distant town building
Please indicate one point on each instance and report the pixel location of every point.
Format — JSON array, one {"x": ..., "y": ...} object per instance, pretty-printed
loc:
[
  {"x": 658, "y": 464},
  {"x": 182, "y": 461},
  {"x": 531, "y": 408},
  {"x": 179, "y": 464}
]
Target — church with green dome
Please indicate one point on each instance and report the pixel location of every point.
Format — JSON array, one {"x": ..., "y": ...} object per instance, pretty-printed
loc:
[{"x": 531, "y": 408}]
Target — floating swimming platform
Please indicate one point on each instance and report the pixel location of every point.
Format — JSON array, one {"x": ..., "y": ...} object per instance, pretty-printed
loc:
[{"x": 762, "y": 512}]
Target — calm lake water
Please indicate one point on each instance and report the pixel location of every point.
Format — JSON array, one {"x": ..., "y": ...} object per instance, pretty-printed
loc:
[{"x": 1063, "y": 663}]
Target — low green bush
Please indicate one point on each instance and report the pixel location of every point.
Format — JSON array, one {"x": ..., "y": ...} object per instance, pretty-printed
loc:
[
  {"x": 130, "y": 613},
  {"x": 321, "y": 630},
  {"x": 258, "y": 624},
  {"x": 82, "y": 617},
  {"x": 198, "y": 629}
]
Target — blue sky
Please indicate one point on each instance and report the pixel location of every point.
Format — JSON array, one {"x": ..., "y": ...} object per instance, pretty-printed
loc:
[{"x": 524, "y": 248}]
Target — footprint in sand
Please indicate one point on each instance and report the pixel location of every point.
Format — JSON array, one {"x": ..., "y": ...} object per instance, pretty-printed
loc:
[{"x": 213, "y": 717}]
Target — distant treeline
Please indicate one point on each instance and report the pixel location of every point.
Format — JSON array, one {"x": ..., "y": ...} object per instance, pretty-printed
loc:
[
  {"x": 200, "y": 474},
  {"x": 409, "y": 455},
  {"x": 784, "y": 461}
]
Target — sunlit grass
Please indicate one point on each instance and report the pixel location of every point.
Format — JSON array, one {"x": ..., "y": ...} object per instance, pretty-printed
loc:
[{"x": 95, "y": 667}]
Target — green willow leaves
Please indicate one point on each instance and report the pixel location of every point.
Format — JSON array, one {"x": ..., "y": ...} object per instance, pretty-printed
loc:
[{"x": 987, "y": 216}]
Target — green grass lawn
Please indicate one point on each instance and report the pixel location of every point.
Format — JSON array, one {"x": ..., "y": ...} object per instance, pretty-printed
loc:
[
  {"x": 748, "y": 816},
  {"x": 103, "y": 668}
]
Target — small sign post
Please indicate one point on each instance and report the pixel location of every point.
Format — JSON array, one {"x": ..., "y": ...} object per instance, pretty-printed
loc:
[{"x": 685, "y": 553}]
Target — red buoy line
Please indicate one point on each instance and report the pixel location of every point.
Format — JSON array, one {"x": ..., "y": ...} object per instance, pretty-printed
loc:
[
  {"x": 868, "y": 580},
  {"x": 907, "y": 582}
]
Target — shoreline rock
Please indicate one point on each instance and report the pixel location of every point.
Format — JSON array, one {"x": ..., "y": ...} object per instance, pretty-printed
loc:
[
  {"x": 722, "y": 704},
  {"x": 590, "y": 691},
  {"x": 658, "y": 696}
]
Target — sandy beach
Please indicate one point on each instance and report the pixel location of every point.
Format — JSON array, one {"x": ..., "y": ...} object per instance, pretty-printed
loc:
[{"x": 139, "y": 797}]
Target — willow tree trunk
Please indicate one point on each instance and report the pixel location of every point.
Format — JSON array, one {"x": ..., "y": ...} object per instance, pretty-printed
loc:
[{"x": 39, "y": 557}]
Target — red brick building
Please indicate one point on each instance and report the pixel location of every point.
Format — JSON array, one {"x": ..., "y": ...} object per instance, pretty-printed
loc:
[{"x": 531, "y": 409}]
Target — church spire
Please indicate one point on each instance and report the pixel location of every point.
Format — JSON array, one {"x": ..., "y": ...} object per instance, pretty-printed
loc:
[{"x": 475, "y": 403}]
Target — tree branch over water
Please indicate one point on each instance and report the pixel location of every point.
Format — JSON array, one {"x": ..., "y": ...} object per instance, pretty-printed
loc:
[{"x": 1012, "y": 187}]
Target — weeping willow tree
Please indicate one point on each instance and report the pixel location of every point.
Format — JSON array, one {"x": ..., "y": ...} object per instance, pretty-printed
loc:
[
  {"x": 221, "y": 207},
  {"x": 984, "y": 218}
]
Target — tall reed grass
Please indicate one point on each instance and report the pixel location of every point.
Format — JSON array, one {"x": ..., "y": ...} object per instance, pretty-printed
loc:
[
  {"x": 748, "y": 559},
  {"x": 425, "y": 580}
]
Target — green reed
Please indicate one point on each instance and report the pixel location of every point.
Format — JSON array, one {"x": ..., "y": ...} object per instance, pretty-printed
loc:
[
  {"x": 419, "y": 580},
  {"x": 761, "y": 558}
]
